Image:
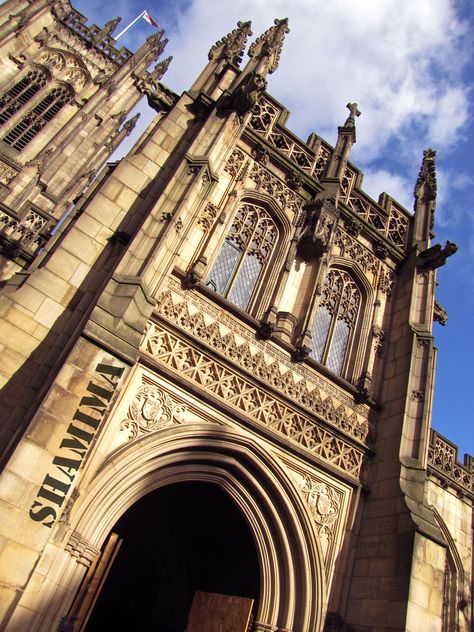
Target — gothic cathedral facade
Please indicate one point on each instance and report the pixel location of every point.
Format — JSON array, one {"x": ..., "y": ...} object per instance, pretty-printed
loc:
[{"x": 217, "y": 356}]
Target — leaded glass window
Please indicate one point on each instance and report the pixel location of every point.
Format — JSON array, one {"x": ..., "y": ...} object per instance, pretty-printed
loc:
[
  {"x": 335, "y": 320},
  {"x": 21, "y": 93},
  {"x": 248, "y": 247},
  {"x": 37, "y": 118}
]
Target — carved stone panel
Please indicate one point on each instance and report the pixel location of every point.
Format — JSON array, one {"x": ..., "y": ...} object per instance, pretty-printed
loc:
[
  {"x": 151, "y": 409},
  {"x": 327, "y": 502}
]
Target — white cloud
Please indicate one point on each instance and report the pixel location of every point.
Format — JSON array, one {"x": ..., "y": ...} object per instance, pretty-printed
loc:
[
  {"x": 394, "y": 58},
  {"x": 377, "y": 181},
  {"x": 389, "y": 56}
]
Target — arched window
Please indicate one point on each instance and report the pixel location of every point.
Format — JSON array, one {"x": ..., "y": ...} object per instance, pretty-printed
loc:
[
  {"x": 37, "y": 118},
  {"x": 244, "y": 254},
  {"x": 21, "y": 93},
  {"x": 335, "y": 320}
]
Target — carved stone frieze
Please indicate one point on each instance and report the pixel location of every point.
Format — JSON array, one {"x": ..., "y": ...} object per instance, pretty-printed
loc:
[
  {"x": 255, "y": 402},
  {"x": 235, "y": 163},
  {"x": 318, "y": 397},
  {"x": 270, "y": 184},
  {"x": 219, "y": 321},
  {"x": 151, "y": 409}
]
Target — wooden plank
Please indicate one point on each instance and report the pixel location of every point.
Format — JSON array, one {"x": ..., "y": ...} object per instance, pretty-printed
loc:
[{"x": 211, "y": 612}]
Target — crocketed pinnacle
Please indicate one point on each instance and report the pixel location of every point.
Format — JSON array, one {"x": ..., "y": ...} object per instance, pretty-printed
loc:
[
  {"x": 426, "y": 186},
  {"x": 231, "y": 47},
  {"x": 159, "y": 70},
  {"x": 107, "y": 31},
  {"x": 269, "y": 45}
]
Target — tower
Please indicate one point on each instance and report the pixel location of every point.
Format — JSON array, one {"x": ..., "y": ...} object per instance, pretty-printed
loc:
[
  {"x": 66, "y": 93},
  {"x": 224, "y": 361}
]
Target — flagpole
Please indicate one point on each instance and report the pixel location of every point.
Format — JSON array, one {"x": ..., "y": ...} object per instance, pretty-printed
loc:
[{"x": 129, "y": 26}]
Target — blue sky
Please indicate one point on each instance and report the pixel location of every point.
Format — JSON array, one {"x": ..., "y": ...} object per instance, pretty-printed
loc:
[{"x": 409, "y": 65}]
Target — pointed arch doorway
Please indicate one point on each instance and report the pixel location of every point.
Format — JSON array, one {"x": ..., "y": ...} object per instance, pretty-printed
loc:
[
  {"x": 253, "y": 490},
  {"x": 177, "y": 540}
]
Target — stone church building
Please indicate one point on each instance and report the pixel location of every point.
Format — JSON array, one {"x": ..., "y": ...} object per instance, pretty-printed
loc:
[{"x": 217, "y": 357}]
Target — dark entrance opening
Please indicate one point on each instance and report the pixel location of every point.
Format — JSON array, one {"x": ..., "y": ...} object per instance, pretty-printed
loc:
[{"x": 176, "y": 540}]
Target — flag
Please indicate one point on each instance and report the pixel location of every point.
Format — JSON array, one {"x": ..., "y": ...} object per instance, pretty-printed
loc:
[{"x": 149, "y": 19}]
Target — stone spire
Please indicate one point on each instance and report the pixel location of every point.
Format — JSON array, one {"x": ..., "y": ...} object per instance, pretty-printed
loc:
[
  {"x": 425, "y": 186},
  {"x": 266, "y": 49},
  {"x": 159, "y": 70},
  {"x": 231, "y": 47},
  {"x": 425, "y": 199},
  {"x": 346, "y": 137}
]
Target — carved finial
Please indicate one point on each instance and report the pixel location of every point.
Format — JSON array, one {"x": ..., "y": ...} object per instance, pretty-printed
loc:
[
  {"x": 354, "y": 111},
  {"x": 130, "y": 124},
  {"x": 155, "y": 38},
  {"x": 231, "y": 47},
  {"x": 426, "y": 184},
  {"x": 109, "y": 27},
  {"x": 269, "y": 45},
  {"x": 158, "y": 71}
]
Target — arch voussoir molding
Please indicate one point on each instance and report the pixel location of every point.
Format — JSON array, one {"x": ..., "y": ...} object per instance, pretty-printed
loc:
[{"x": 292, "y": 579}]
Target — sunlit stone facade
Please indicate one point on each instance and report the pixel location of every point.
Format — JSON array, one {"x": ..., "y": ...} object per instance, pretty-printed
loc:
[{"x": 226, "y": 330}]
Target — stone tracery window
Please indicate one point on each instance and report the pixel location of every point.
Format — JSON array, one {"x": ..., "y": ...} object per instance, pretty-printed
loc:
[
  {"x": 238, "y": 270},
  {"x": 31, "y": 124},
  {"x": 15, "y": 98},
  {"x": 335, "y": 320}
]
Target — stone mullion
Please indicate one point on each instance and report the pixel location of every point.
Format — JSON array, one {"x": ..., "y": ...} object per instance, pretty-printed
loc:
[
  {"x": 213, "y": 240},
  {"x": 305, "y": 339},
  {"x": 270, "y": 318},
  {"x": 375, "y": 337},
  {"x": 68, "y": 135}
]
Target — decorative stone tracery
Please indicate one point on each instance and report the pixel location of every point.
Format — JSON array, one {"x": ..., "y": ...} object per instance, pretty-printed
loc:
[
  {"x": 239, "y": 392},
  {"x": 443, "y": 461},
  {"x": 303, "y": 386},
  {"x": 352, "y": 250}
]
